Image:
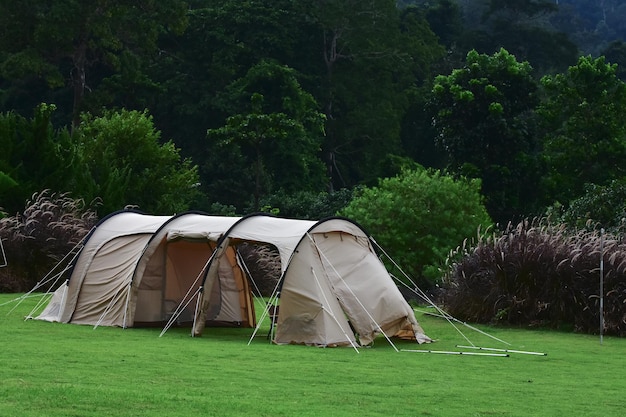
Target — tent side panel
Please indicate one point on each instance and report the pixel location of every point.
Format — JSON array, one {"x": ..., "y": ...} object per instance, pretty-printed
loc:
[
  {"x": 120, "y": 224},
  {"x": 236, "y": 305},
  {"x": 104, "y": 291},
  {"x": 309, "y": 312},
  {"x": 146, "y": 304},
  {"x": 53, "y": 309},
  {"x": 363, "y": 286}
]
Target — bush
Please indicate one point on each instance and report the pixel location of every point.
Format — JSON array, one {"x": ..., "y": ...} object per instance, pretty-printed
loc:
[
  {"x": 536, "y": 273},
  {"x": 38, "y": 238},
  {"x": 418, "y": 217},
  {"x": 125, "y": 163}
]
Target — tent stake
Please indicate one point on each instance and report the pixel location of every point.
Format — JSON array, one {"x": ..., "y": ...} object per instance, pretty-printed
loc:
[
  {"x": 503, "y": 350},
  {"x": 449, "y": 352}
]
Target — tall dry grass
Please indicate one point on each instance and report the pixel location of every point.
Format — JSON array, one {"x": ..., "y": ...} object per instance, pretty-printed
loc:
[
  {"x": 537, "y": 273},
  {"x": 37, "y": 238}
]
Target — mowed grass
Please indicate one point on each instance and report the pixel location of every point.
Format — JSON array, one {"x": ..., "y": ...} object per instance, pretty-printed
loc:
[{"x": 51, "y": 369}]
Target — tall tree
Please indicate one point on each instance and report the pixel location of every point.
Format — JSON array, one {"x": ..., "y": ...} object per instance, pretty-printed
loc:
[
  {"x": 483, "y": 116},
  {"x": 585, "y": 131},
  {"x": 273, "y": 136},
  {"x": 223, "y": 41},
  {"x": 367, "y": 57},
  {"x": 61, "y": 42},
  {"x": 34, "y": 156}
]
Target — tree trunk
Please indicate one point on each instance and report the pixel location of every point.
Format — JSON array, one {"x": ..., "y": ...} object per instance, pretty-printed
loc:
[{"x": 78, "y": 79}]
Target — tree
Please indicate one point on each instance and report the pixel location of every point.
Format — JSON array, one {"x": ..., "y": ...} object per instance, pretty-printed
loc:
[
  {"x": 584, "y": 128},
  {"x": 34, "y": 156},
  {"x": 61, "y": 42},
  {"x": 372, "y": 61},
  {"x": 274, "y": 139},
  {"x": 419, "y": 216},
  {"x": 615, "y": 53},
  {"x": 601, "y": 206},
  {"x": 125, "y": 164},
  {"x": 224, "y": 39},
  {"x": 483, "y": 117},
  {"x": 522, "y": 27}
]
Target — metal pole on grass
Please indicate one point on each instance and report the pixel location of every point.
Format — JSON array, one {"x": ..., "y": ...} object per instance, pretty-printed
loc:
[{"x": 601, "y": 284}]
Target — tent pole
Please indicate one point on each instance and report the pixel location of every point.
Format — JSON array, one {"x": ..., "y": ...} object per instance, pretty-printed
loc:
[
  {"x": 126, "y": 305},
  {"x": 114, "y": 300},
  {"x": 332, "y": 314},
  {"x": 197, "y": 311},
  {"x": 524, "y": 352},
  {"x": 258, "y": 296},
  {"x": 5, "y": 261},
  {"x": 179, "y": 310},
  {"x": 469, "y": 326},
  {"x": 447, "y": 352},
  {"x": 601, "y": 284},
  {"x": 266, "y": 309},
  {"x": 44, "y": 297}
]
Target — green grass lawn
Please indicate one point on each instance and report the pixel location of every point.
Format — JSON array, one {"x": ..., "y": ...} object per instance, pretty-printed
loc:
[{"x": 50, "y": 369}]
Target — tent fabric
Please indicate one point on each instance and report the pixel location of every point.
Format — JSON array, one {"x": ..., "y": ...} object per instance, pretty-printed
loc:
[{"x": 135, "y": 269}]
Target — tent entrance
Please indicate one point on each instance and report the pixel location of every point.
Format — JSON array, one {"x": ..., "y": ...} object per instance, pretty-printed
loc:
[{"x": 173, "y": 277}]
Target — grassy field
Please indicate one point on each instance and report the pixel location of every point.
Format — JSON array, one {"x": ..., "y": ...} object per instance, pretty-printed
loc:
[{"x": 50, "y": 369}]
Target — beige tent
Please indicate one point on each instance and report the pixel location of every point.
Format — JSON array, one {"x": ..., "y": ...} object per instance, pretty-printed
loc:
[{"x": 135, "y": 269}]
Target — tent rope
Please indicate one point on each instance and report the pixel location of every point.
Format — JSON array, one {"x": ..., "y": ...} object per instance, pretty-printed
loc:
[
  {"x": 47, "y": 278},
  {"x": 5, "y": 262},
  {"x": 116, "y": 297},
  {"x": 418, "y": 291},
  {"x": 266, "y": 305}
]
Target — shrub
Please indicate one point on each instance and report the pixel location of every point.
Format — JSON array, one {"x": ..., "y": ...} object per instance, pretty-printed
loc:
[
  {"x": 536, "y": 273},
  {"x": 39, "y": 237},
  {"x": 126, "y": 163},
  {"x": 418, "y": 216}
]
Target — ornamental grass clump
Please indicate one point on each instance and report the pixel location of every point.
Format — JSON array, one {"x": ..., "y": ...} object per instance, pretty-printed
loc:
[
  {"x": 263, "y": 264},
  {"x": 536, "y": 273},
  {"x": 39, "y": 237}
]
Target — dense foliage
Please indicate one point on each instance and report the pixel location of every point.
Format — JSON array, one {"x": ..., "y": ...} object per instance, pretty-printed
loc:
[
  {"x": 483, "y": 118},
  {"x": 418, "y": 216},
  {"x": 117, "y": 158},
  {"x": 124, "y": 163},
  {"x": 34, "y": 156},
  {"x": 585, "y": 139}
]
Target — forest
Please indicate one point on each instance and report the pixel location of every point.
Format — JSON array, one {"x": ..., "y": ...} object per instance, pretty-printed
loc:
[
  {"x": 493, "y": 111},
  {"x": 265, "y": 101}
]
